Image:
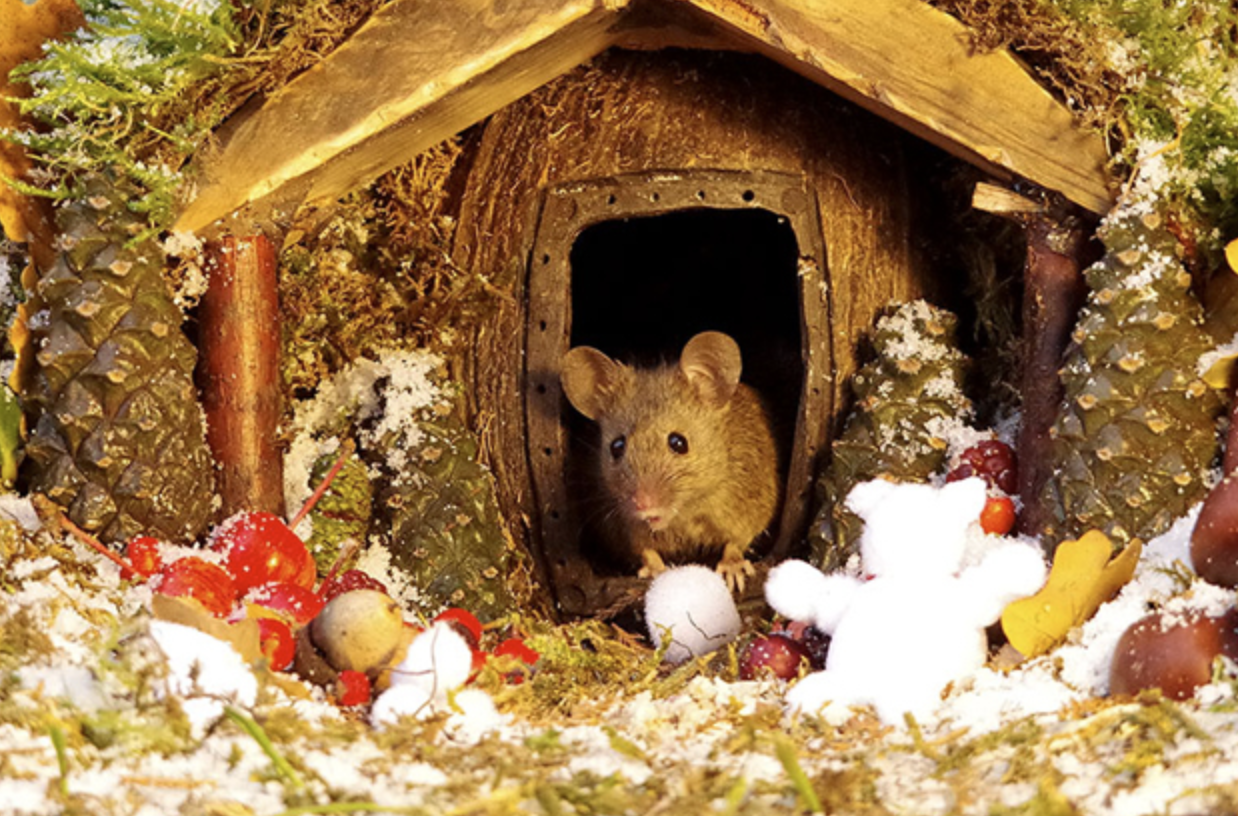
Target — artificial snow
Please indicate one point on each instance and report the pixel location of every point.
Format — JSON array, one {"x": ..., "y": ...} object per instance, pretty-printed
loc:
[
  {"x": 691, "y": 608},
  {"x": 206, "y": 674}
]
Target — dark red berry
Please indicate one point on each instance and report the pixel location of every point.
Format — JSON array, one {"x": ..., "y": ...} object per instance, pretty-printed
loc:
[
  {"x": 348, "y": 581},
  {"x": 771, "y": 655},
  {"x": 817, "y": 644},
  {"x": 991, "y": 460}
]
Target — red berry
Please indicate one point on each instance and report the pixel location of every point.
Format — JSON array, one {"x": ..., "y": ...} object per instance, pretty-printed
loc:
[
  {"x": 352, "y": 688},
  {"x": 997, "y": 517},
  {"x": 771, "y": 655},
  {"x": 259, "y": 549},
  {"x": 144, "y": 557},
  {"x": 517, "y": 648},
  {"x": 991, "y": 460},
  {"x": 465, "y": 622},
  {"x": 278, "y": 643},
  {"x": 298, "y": 604},
  {"x": 201, "y": 580},
  {"x": 348, "y": 581},
  {"x": 1172, "y": 653}
]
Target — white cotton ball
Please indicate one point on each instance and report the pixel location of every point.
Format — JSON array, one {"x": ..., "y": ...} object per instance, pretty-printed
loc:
[
  {"x": 438, "y": 660},
  {"x": 399, "y": 701},
  {"x": 692, "y": 606}
]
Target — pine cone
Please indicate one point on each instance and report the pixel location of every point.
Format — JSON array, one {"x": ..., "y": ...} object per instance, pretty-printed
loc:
[
  {"x": 439, "y": 504},
  {"x": 343, "y": 512},
  {"x": 118, "y": 438},
  {"x": 905, "y": 401},
  {"x": 1136, "y": 436}
]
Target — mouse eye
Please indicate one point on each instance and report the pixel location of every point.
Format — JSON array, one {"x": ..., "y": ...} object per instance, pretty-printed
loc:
[
  {"x": 678, "y": 443},
  {"x": 617, "y": 446}
]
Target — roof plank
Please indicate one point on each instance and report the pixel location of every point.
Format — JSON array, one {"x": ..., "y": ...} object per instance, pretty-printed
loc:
[
  {"x": 416, "y": 73},
  {"x": 419, "y": 72},
  {"x": 911, "y": 63}
]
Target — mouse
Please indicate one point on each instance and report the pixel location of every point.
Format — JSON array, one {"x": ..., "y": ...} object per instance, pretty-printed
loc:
[{"x": 687, "y": 461}]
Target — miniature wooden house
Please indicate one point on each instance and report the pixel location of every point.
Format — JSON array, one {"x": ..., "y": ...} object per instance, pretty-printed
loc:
[{"x": 661, "y": 189}]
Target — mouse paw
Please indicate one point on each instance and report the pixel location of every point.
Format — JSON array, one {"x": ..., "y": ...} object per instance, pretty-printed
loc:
[
  {"x": 653, "y": 564},
  {"x": 735, "y": 569}
]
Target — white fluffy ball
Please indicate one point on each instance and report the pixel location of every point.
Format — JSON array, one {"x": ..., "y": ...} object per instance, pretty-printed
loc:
[
  {"x": 693, "y": 607},
  {"x": 438, "y": 660}
]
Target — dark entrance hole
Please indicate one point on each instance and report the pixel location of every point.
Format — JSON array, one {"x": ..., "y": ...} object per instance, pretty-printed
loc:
[{"x": 641, "y": 287}]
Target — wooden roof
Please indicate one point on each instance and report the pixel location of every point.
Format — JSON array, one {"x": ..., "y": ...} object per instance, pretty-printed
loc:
[{"x": 419, "y": 72}]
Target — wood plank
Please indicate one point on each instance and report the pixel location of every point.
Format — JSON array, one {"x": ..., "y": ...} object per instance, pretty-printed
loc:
[
  {"x": 911, "y": 64},
  {"x": 417, "y": 73}
]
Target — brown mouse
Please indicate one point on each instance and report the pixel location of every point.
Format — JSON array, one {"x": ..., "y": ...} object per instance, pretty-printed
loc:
[{"x": 687, "y": 459}]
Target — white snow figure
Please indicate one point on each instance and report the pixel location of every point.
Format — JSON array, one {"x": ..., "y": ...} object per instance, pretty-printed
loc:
[{"x": 917, "y": 621}]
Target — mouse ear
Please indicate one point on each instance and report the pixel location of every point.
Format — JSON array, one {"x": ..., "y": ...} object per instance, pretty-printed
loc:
[
  {"x": 711, "y": 363},
  {"x": 591, "y": 380}
]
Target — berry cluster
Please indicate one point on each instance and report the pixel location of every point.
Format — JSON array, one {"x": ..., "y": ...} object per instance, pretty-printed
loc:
[{"x": 993, "y": 461}]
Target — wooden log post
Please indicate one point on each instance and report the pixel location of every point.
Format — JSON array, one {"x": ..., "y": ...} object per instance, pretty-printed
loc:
[
  {"x": 239, "y": 320},
  {"x": 1053, "y": 291}
]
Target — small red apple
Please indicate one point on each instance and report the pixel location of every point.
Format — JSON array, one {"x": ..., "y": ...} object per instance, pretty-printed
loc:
[
  {"x": 1172, "y": 652},
  {"x": 203, "y": 581},
  {"x": 517, "y": 648},
  {"x": 293, "y": 601},
  {"x": 144, "y": 557},
  {"x": 278, "y": 643},
  {"x": 259, "y": 548},
  {"x": 466, "y": 624}
]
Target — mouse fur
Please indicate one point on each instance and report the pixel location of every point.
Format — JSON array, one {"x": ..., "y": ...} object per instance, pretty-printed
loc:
[{"x": 687, "y": 460}]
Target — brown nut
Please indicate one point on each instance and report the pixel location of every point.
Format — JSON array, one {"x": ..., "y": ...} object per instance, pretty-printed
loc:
[{"x": 1172, "y": 652}]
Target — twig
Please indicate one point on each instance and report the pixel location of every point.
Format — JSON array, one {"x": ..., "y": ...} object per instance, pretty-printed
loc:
[
  {"x": 346, "y": 450},
  {"x": 347, "y": 550},
  {"x": 94, "y": 543}
]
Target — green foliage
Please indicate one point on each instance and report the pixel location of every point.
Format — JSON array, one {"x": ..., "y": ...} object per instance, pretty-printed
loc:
[
  {"x": 1177, "y": 59},
  {"x": 127, "y": 93}
]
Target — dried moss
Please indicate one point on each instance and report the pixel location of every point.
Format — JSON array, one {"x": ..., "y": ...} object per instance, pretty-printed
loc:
[
  {"x": 1146, "y": 75},
  {"x": 374, "y": 272}
]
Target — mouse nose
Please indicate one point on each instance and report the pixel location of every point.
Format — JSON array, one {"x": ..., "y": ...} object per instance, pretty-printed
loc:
[{"x": 643, "y": 501}]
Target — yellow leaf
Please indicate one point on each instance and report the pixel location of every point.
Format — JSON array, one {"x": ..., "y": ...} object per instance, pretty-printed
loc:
[
  {"x": 1219, "y": 373},
  {"x": 1082, "y": 578},
  {"x": 242, "y": 635},
  {"x": 1231, "y": 254}
]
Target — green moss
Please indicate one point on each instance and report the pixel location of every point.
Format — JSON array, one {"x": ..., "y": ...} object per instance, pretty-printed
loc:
[{"x": 129, "y": 93}]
